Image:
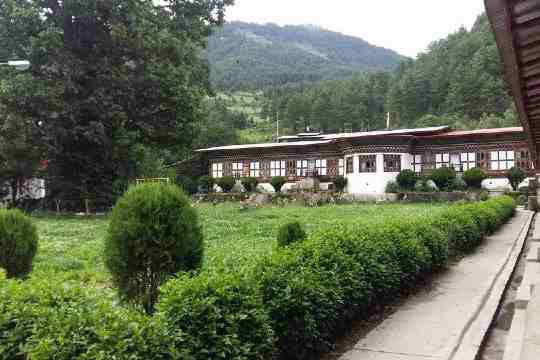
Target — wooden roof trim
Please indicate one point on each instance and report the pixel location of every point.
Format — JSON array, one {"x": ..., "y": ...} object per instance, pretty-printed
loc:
[{"x": 500, "y": 16}]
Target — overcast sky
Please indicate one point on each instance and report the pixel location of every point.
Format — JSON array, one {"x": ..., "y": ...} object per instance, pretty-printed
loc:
[{"x": 405, "y": 26}]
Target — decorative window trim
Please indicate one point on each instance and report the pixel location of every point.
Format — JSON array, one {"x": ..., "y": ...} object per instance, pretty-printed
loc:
[
  {"x": 217, "y": 170},
  {"x": 417, "y": 163},
  {"x": 302, "y": 168},
  {"x": 341, "y": 167},
  {"x": 255, "y": 169},
  {"x": 321, "y": 166},
  {"x": 392, "y": 163},
  {"x": 237, "y": 170},
  {"x": 442, "y": 160},
  {"x": 502, "y": 160},
  {"x": 350, "y": 165},
  {"x": 278, "y": 168},
  {"x": 367, "y": 163},
  {"x": 468, "y": 161}
]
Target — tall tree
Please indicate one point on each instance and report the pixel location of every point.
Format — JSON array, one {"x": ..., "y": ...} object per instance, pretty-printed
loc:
[{"x": 107, "y": 75}]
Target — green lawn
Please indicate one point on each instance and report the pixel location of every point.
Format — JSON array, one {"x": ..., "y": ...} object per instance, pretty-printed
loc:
[{"x": 72, "y": 247}]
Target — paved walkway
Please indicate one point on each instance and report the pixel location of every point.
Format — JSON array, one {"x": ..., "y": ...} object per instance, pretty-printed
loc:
[{"x": 449, "y": 320}]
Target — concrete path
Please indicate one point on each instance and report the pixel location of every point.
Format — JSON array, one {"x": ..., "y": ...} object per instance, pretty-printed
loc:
[{"x": 449, "y": 320}]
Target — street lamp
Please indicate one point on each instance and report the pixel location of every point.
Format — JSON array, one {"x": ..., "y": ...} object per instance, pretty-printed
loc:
[{"x": 18, "y": 65}]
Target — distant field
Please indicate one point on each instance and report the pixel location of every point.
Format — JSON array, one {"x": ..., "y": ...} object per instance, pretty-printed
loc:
[{"x": 72, "y": 247}]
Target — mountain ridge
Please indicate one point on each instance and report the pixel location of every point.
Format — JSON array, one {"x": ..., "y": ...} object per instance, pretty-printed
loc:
[{"x": 256, "y": 56}]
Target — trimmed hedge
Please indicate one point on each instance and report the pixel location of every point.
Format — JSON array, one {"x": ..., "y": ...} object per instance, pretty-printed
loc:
[
  {"x": 18, "y": 243},
  {"x": 289, "y": 305}
]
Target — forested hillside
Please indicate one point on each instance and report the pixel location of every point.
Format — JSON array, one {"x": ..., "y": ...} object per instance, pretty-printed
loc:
[
  {"x": 252, "y": 56},
  {"x": 458, "y": 81}
]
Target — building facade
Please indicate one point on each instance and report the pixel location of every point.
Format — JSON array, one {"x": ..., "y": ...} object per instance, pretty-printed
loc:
[{"x": 369, "y": 160}]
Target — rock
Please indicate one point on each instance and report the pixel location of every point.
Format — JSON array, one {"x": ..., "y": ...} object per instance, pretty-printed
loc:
[
  {"x": 265, "y": 188},
  {"x": 309, "y": 184},
  {"x": 238, "y": 188},
  {"x": 289, "y": 187},
  {"x": 259, "y": 199},
  {"x": 420, "y": 186},
  {"x": 430, "y": 184},
  {"x": 217, "y": 189}
]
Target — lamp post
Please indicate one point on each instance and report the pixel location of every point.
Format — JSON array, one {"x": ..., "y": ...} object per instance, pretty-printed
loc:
[{"x": 20, "y": 65}]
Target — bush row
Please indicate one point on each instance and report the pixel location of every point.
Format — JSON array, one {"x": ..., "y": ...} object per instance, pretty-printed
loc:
[{"x": 290, "y": 305}]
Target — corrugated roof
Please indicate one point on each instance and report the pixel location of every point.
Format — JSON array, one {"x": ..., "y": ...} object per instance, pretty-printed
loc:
[
  {"x": 479, "y": 132},
  {"x": 266, "y": 145},
  {"x": 418, "y": 131}
]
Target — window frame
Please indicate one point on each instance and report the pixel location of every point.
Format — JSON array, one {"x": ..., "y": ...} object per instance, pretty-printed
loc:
[
  {"x": 237, "y": 170},
  {"x": 442, "y": 160},
  {"x": 392, "y": 163},
  {"x": 417, "y": 163},
  {"x": 278, "y": 168},
  {"x": 321, "y": 166},
  {"x": 502, "y": 157},
  {"x": 255, "y": 169},
  {"x": 349, "y": 165},
  {"x": 217, "y": 170},
  {"x": 302, "y": 168},
  {"x": 367, "y": 164}
]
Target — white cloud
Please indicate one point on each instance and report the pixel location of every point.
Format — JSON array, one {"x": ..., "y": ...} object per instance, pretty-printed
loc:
[{"x": 405, "y": 26}]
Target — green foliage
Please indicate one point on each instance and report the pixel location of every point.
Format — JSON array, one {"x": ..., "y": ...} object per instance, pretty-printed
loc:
[
  {"x": 250, "y": 183},
  {"x": 226, "y": 183},
  {"x": 188, "y": 184},
  {"x": 516, "y": 176},
  {"x": 216, "y": 316},
  {"x": 406, "y": 179},
  {"x": 341, "y": 183},
  {"x": 392, "y": 187},
  {"x": 153, "y": 233},
  {"x": 474, "y": 177},
  {"x": 57, "y": 319},
  {"x": 127, "y": 73},
  {"x": 18, "y": 243},
  {"x": 241, "y": 58},
  {"x": 206, "y": 183},
  {"x": 443, "y": 177},
  {"x": 3, "y": 274},
  {"x": 277, "y": 183},
  {"x": 291, "y": 233}
]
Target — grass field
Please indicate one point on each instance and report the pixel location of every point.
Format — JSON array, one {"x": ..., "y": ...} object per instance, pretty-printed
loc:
[{"x": 72, "y": 247}]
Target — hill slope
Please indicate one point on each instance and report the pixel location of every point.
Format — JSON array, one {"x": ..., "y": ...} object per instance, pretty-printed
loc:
[{"x": 252, "y": 56}]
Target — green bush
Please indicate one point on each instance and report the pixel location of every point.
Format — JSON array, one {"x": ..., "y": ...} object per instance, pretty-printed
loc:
[
  {"x": 216, "y": 317},
  {"x": 392, "y": 187},
  {"x": 206, "y": 183},
  {"x": 3, "y": 274},
  {"x": 407, "y": 179},
  {"x": 18, "y": 243},
  {"x": 250, "y": 183},
  {"x": 277, "y": 183},
  {"x": 290, "y": 233},
  {"x": 61, "y": 320},
  {"x": 341, "y": 183},
  {"x": 443, "y": 177},
  {"x": 516, "y": 176},
  {"x": 188, "y": 184},
  {"x": 226, "y": 183},
  {"x": 474, "y": 177},
  {"x": 153, "y": 233}
]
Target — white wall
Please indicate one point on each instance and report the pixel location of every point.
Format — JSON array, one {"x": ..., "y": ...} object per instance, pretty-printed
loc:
[
  {"x": 32, "y": 189},
  {"x": 374, "y": 183}
]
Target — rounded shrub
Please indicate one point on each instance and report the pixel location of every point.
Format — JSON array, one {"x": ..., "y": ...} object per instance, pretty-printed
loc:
[
  {"x": 277, "y": 183},
  {"x": 516, "y": 176},
  {"x": 188, "y": 184},
  {"x": 219, "y": 316},
  {"x": 474, "y": 177},
  {"x": 226, "y": 183},
  {"x": 407, "y": 179},
  {"x": 290, "y": 233},
  {"x": 392, "y": 187},
  {"x": 250, "y": 183},
  {"x": 341, "y": 183},
  {"x": 18, "y": 243},
  {"x": 206, "y": 183},
  {"x": 153, "y": 233},
  {"x": 443, "y": 177}
]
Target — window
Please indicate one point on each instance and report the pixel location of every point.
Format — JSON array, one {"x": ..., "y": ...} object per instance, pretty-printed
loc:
[
  {"x": 468, "y": 161},
  {"x": 341, "y": 167},
  {"x": 392, "y": 163},
  {"x": 417, "y": 163},
  {"x": 255, "y": 169},
  {"x": 367, "y": 163},
  {"x": 217, "y": 170},
  {"x": 277, "y": 168},
  {"x": 442, "y": 160},
  {"x": 321, "y": 167},
  {"x": 302, "y": 168},
  {"x": 524, "y": 160},
  {"x": 502, "y": 160},
  {"x": 237, "y": 170},
  {"x": 350, "y": 165}
]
